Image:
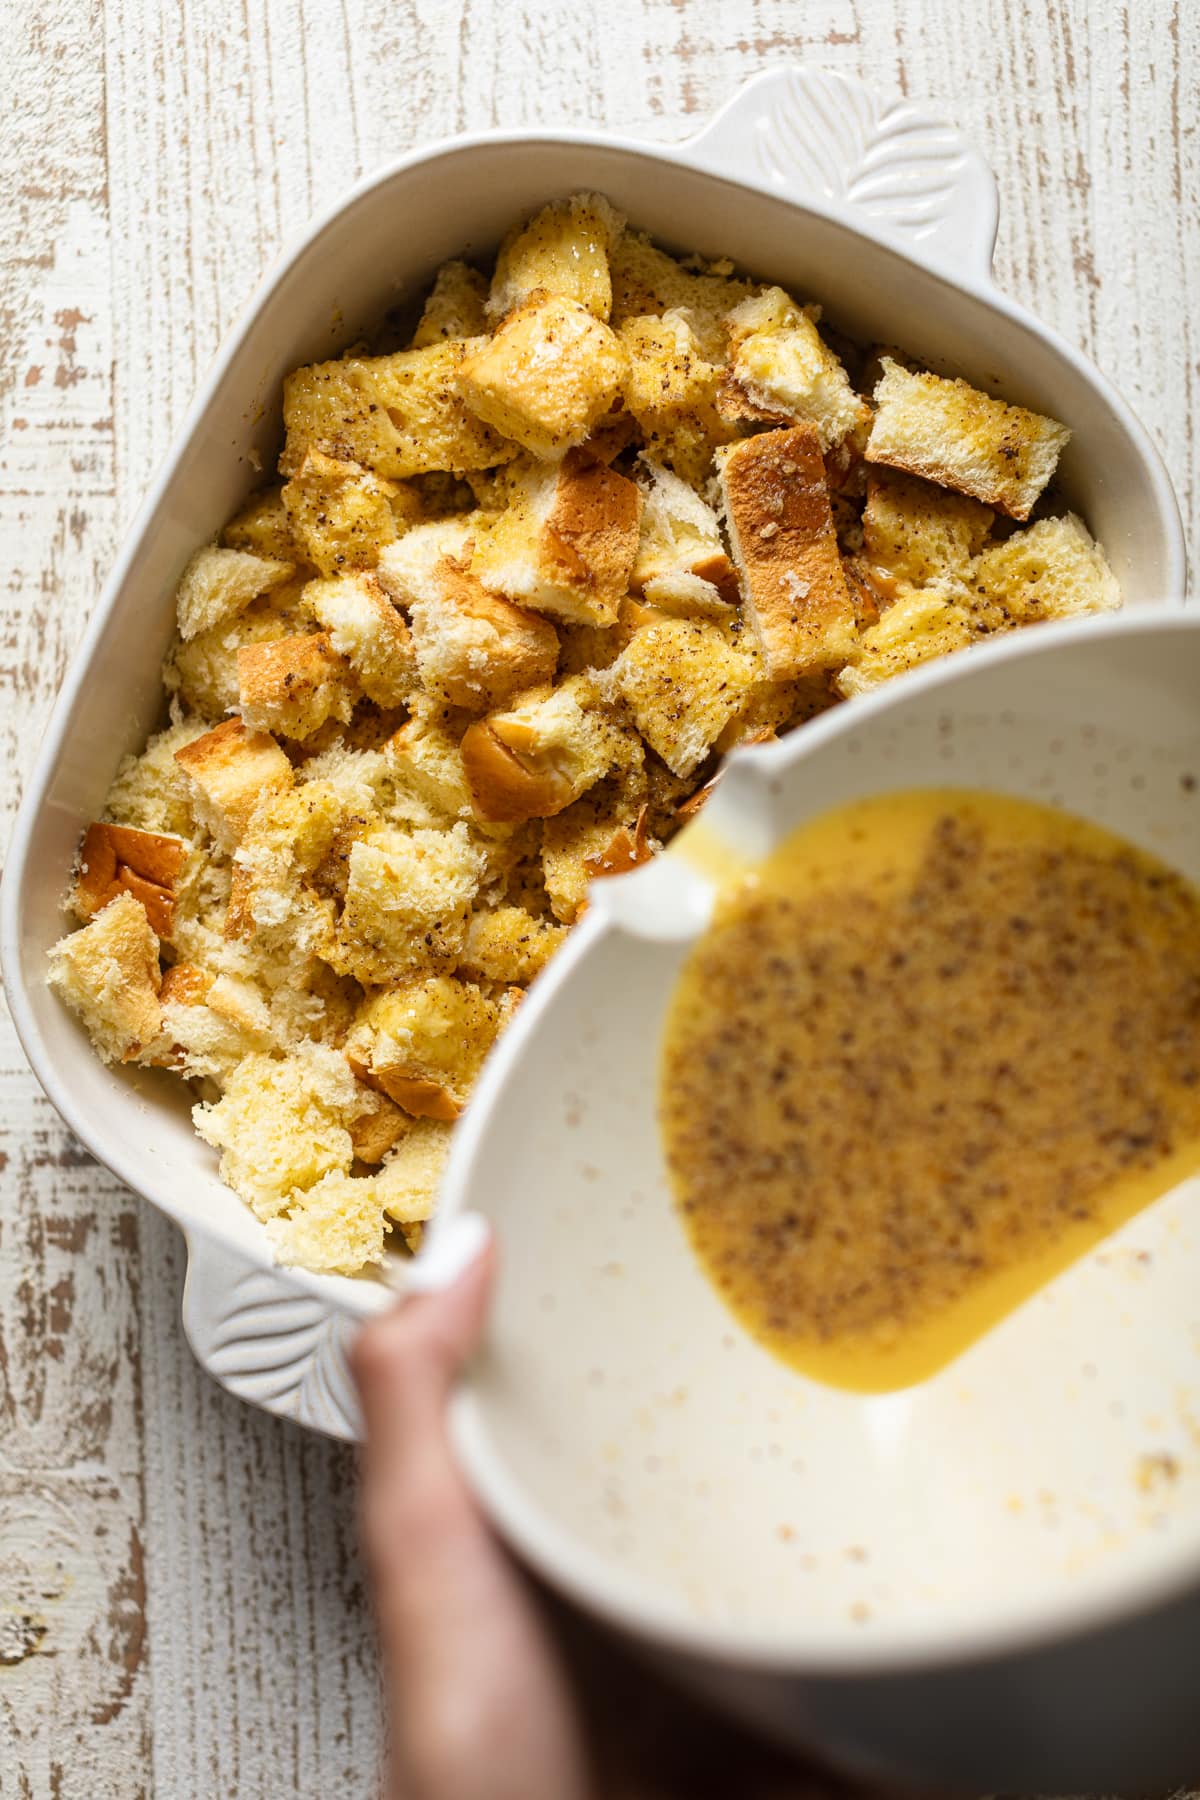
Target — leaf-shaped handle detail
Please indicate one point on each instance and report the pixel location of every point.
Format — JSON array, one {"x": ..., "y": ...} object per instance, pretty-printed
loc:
[{"x": 826, "y": 139}]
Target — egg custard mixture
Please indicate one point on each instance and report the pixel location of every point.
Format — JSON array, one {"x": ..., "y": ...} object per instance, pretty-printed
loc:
[{"x": 928, "y": 1054}]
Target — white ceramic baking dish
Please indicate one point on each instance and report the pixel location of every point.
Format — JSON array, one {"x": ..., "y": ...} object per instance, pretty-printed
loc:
[{"x": 884, "y": 214}]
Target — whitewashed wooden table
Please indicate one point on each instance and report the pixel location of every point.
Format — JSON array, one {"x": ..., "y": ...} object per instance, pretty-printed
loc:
[{"x": 182, "y": 1609}]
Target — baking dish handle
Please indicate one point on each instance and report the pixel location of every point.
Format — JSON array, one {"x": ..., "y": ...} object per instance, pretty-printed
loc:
[{"x": 820, "y": 137}]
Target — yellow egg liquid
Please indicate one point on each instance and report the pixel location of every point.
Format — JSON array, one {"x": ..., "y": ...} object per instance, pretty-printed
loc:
[{"x": 926, "y": 1055}]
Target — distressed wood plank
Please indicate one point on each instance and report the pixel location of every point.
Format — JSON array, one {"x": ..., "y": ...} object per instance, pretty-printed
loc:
[{"x": 181, "y": 146}]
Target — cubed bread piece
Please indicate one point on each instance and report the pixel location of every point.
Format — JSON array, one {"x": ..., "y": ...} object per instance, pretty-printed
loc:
[
  {"x": 203, "y": 672},
  {"x": 293, "y": 685},
  {"x": 671, "y": 391},
  {"x": 366, "y": 629},
  {"x": 407, "y": 902},
  {"x": 375, "y": 1133},
  {"x": 286, "y": 841},
  {"x": 335, "y": 1227},
  {"x": 426, "y": 761},
  {"x": 917, "y": 533},
  {"x": 546, "y": 378},
  {"x": 406, "y": 568},
  {"x": 218, "y": 584},
  {"x": 786, "y": 551},
  {"x": 408, "y": 1181},
  {"x": 399, "y": 415},
  {"x": 683, "y": 681},
  {"x": 566, "y": 543},
  {"x": 108, "y": 973},
  {"x": 278, "y": 1130},
  {"x": 423, "y": 1042},
  {"x": 262, "y": 526},
  {"x": 344, "y": 515},
  {"x": 680, "y": 543},
  {"x": 455, "y": 307},
  {"x": 647, "y": 280},
  {"x": 776, "y": 707},
  {"x": 576, "y": 842},
  {"x": 950, "y": 433},
  {"x": 474, "y": 649},
  {"x": 780, "y": 360},
  {"x": 115, "y": 859},
  {"x": 150, "y": 789},
  {"x": 563, "y": 249},
  {"x": 923, "y": 624},
  {"x": 535, "y": 759},
  {"x": 1052, "y": 570},
  {"x": 231, "y": 769},
  {"x": 507, "y": 945}
]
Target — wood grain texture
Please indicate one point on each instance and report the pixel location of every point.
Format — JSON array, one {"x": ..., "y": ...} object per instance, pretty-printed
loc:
[{"x": 181, "y": 1607}]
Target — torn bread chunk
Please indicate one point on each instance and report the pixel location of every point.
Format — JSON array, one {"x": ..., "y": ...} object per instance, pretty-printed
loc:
[
  {"x": 950, "y": 433},
  {"x": 784, "y": 366},
  {"x": 292, "y": 685},
  {"x": 455, "y": 307},
  {"x": 374, "y": 1134},
  {"x": 263, "y": 527},
  {"x": 422, "y": 1043},
  {"x": 406, "y": 568},
  {"x": 683, "y": 681},
  {"x": 671, "y": 393},
  {"x": 203, "y": 671},
  {"x": 679, "y": 543},
  {"x": 281, "y": 1124},
  {"x": 1052, "y": 570},
  {"x": 786, "y": 551},
  {"x": 564, "y": 250},
  {"x": 474, "y": 649},
  {"x": 576, "y": 840},
  {"x": 218, "y": 584},
  {"x": 108, "y": 973},
  {"x": 507, "y": 945},
  {"x": 115, "y": 859},
  {"x": 335, "y": 1227},
  {"x": 399, "y": 415},
  {"x": 408, "y": 1181},
  {"x": 534, "y": 760},
  {"x": 366, "y": 630},
  {"x": 288, "y": 838},
  {"x": 427, "y": 766},
  {"x": 231, "y": 769},
  {"x": 646, "y": 280},
  {"x": 547, "y": 377},
  {"x": 924, "y": 624},
  {"x": 343, "y": 515},
  {"x": 566, "y": 543},
  {"x": 150, "y": 789},
  {"x": 408, "y": 899},
  {"x": 915, "y": 532}
]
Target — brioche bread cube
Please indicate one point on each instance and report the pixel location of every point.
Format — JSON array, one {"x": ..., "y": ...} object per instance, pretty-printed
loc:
[
  {"x": 786, "y": 551},
  {"x": 783, "y": 365},
  {"x": 343, "y": 515},
  {"x": 406, "y": 569},
  {"x": 671, "y": 392},
  {"x": 1051, "y": 570},
  {"x": 923, "y": 624},
  {"x": 150, "y": 789},
  {"x": 399, "y": 415},
  {"x": 683, "y": 681},
  {"x": 230, "y": 770},
  {"x": 547, "y": 377},
  {"x": 280, "y": 1125},
  {"x": 566, "y": 543},
  {"x": 647, "y": 280},
  {"x": 292, "y": 685},
  {"x": 408, "y": 898},
  {"x": 563, "y": 249},
  {"x": 680, "y": 544},
  {"x": 508, "y": 946},
  {"x": 408, "y": 1181},
  {"x": 262, "y": 526},
  {"x": 950, "y": 433},
  {"x": 203, "y": 671},
  {"x": 575, "y": 843},
  {"x": 455, "y": 306},
  {"x": 535, "y": 759},
  {"x": 108, "y": 973},
  {"x": 423, "y": 1042},
  {"x": 335, "y": 1227},
  {"x": 474, "y": 649},
  {"x": 288, "y": 838},
  {"x": 115, "y": 859},
  {"x": 917, "y": 533},
  {"x": 369, "y": 633},
  {"x": 375, "y": 1133},
  {"x": 426, "y": 761},
  {"x": 218, "y": 584}
]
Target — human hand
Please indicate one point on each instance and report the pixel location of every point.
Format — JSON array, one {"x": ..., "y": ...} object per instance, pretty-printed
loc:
[{"x": 494, "y": 1691}]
